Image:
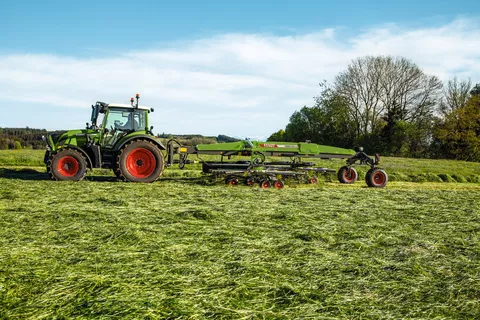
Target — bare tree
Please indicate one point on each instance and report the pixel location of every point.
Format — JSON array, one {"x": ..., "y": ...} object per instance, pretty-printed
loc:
[
  {"x": 455, "y": 95},
  {"x": 392, "y": 89},
  {"x": 360, "y": 86}
]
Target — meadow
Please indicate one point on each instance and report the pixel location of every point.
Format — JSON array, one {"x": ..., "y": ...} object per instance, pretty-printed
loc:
[{"x": 184, "y": 248}]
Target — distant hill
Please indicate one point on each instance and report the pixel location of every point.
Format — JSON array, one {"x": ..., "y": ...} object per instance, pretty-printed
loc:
[{"x": 19, "y": 138}]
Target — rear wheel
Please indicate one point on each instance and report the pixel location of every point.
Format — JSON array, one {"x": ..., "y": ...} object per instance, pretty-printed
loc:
[
  {"x": 67, "y": 165},
  {"x": 139, "y": 161},
  {"x": 347, "y": 175},
  {"x": 377, "y": 178}
]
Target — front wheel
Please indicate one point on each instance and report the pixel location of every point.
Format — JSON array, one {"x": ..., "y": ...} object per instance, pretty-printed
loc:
[
  {"x": 66, "y": 165},
  {"x": 139, "y": 161}
]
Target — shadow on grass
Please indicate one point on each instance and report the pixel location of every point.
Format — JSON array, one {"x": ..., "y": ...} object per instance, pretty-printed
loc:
[
  {"x": 187, "y": 180},
  {"x": 34, "y": 175},
  {"x": 23, "y": 174}
]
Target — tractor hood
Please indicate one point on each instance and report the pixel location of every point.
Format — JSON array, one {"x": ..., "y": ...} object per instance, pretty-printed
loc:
[{"x": 77, "y": 137}]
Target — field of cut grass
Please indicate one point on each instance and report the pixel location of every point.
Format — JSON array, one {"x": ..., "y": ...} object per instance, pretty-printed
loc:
[{"x": 181, "y": 248}]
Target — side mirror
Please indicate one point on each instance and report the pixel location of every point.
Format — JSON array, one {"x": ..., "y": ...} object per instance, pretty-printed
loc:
[{"x": 151, "y": 128}]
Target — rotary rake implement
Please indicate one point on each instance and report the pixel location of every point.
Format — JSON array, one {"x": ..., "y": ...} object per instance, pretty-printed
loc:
[
  {"x": 120, "y": 138},
  {"x": 255, "y": 168}
]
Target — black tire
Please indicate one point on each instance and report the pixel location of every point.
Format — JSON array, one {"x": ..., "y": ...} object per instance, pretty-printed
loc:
[
  {"x": 377, "y": 178},
  {"x": 347, "y": 175},
  {"x": 66, "y": 165},
  {"x": 139, "y": 161},
  {"x": 367, "y": 175}
]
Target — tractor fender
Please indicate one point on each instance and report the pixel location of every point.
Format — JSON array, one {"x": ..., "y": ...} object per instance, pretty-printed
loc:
[
  {"x": 121, "y": 143},
  {"x": 83, "y": 152}
]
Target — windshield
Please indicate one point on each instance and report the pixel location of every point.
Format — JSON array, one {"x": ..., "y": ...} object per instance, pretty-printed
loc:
[{"x": 125, "y": 119}]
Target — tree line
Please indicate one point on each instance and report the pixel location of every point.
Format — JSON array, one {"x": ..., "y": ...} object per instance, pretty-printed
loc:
[
  {"x": 389, "y": 105},
  {"x": 21, "y": 138}
]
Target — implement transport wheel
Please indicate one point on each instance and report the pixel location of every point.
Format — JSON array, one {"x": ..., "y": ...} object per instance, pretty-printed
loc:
[
  {"x": 278, "y": 184},
  {"x": 347, "y": 175},
  {"x": 67, "y": 164},
  {"x": 377, "y": 178},
  {"x": 250, "y": 181},
  {"x": 139, "y": 161},
  {"x": 313, "y": 180},
  {"x": 231, "y": 181},
  {"x": 265, "y": 184}
]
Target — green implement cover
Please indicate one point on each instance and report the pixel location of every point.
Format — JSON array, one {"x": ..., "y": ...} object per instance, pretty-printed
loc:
[{"x": 300, "y": 148}]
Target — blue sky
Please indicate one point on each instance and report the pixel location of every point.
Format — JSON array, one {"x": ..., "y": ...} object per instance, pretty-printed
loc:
[{"x": 212, "y": 67}]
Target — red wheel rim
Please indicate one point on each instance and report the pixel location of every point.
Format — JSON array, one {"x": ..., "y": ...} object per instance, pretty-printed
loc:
[
  {"x": 313, "y": 180},
  {"x": 265, "y": 184},
  {"x": 349, "y": 175},
  {"x": 278, "y": 184},
  {"x": 378, "y": 178},
  {"x": 141, "y": 163},
  {"x": 233, "y": 182},
  {"x": 250, "y": 182},
  {"x": 68, "y": 166}
]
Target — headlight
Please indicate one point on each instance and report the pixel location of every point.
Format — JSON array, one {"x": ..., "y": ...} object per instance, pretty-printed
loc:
[{"x": 44, "y": 138}]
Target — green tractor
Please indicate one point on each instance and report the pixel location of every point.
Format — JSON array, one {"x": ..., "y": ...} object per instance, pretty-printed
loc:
[{"x": 118, "y": 138}]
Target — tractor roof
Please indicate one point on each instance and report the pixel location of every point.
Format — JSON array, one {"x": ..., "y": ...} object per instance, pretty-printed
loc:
[{"x": 126, "y": 106}]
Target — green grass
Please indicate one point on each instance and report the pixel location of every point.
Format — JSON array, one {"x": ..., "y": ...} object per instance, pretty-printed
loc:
[
  {"x": 22, "y": 157},
  {"x": 179, "y": 248}
]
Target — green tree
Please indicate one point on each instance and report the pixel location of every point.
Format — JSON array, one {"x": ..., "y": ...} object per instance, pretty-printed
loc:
[
  {"x": 327, "y": 122},
  {"x": 475, "y": 90},
  {"x": 459, "y": 134},
  {"x": 3, "y": 144},
  {"x": 304, "y": 125},
  {"x": 277, "y": 136}
]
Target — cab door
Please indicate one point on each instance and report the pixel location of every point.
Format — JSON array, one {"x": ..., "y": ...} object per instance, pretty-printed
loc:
[{"x": 114, "y": 126}]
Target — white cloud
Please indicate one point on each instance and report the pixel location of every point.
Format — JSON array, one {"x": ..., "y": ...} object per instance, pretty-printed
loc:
[{"x": 235, "y": 84}]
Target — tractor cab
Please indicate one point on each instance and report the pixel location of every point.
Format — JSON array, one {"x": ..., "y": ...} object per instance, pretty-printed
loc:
[
  {"x": 114, "y": 121},
  {"x": 121, "y": 120}
]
